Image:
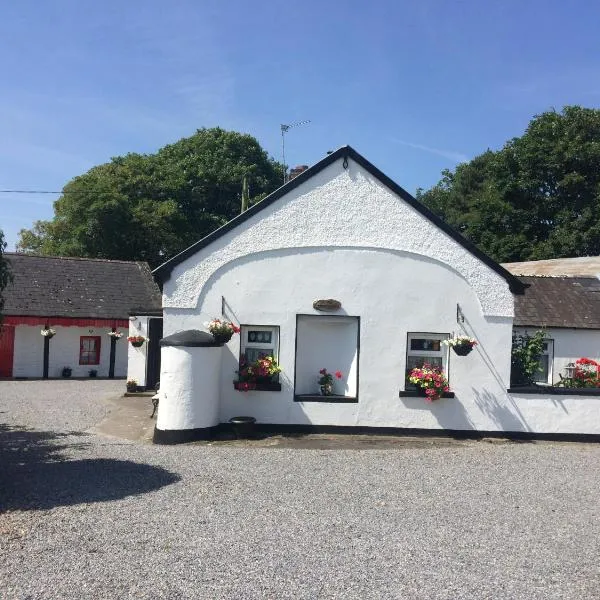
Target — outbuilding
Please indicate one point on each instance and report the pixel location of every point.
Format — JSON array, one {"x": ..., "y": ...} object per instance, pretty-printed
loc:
[{"x": 72, "y": 316}]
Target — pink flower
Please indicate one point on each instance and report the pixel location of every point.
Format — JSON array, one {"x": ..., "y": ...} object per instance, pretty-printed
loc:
[
  {"x": 338, "y": 374},
  {"x": 323, "y": 371}
]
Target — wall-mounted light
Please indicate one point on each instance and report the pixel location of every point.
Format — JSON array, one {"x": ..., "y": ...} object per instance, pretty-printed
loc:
[{"x": 133, "y": 319}]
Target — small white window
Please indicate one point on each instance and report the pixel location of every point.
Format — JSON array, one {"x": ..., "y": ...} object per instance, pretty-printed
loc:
[
  {"x": 259, "y": 340},
  {"x": 426, "y": 348},
  {"x": 544, "y": 374}
]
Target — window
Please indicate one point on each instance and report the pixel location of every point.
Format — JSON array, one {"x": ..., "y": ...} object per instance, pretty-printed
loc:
[
  {"x": 544, "y": 375},
  {"x": 89, "y": 350},
  {"x": 259, "y": 340},
  {"x": 426, "y": 348}
]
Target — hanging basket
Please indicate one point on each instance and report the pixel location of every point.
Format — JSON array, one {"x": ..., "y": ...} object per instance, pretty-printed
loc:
[
  {"x": 137, "y": 344},
  {"x": 462, "y": 350},
  {"x": 222, "y": 338}
]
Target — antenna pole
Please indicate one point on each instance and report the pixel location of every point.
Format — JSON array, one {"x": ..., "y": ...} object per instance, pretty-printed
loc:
[{"x": 284, "y": 129}]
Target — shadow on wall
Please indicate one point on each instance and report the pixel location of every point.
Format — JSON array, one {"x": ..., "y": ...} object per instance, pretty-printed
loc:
[
  {"x": 505, "y": 415},
  {"x": 448, "y": 412},
  {"x": 35, "y": 475},
  {"x": 470, "y": 331}
]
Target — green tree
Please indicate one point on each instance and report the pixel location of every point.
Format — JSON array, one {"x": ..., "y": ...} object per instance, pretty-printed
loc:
[
  {"x": 150, "y": 207},
  {"x": 525, "y": 357},
  {"x": 538, "y": 197},
  {"x": 5, "y": 274}
]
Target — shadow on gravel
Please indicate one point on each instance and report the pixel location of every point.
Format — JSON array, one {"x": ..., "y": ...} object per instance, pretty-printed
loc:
[{"x": 35, "y": 475}]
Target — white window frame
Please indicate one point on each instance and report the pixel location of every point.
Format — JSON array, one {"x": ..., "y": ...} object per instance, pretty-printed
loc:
[
  {"x": 549, "y": 352},
  {"x": 441, "y": 353},
  {"x": 245, "y": 343}
]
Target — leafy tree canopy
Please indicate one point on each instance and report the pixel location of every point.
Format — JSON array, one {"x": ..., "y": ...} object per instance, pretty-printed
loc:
[
  {"x": 151, "y": 206},
  {"x": 5, "y": 275},
  {"x": 536, "y": 198}
]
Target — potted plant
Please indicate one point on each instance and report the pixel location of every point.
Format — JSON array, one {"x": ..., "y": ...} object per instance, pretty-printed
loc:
[
  {"x": 48, "y": 332},
  {"x": 66, "y": 372},
  {"x": 263, "y": 370},
  {"x": 584, "y": 373},
  {"x": 93, "y": 372},
  {"x": 115, "y": 335},
  {"x": 222, "y": 331},
  {"x": 131, "y": 385},
  {"x": 137, "y": 340},
  {"x": 326, "y": 381},
  {"x": 243, "y": 427},
  {"x": 430, "y": 381},
  {"x": 461, "y": 344}
]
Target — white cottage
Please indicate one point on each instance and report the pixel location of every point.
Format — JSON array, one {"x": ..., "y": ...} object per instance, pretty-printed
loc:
[
  {"x": 85, "y": 305},
  {"x": 402, "y": 279}
]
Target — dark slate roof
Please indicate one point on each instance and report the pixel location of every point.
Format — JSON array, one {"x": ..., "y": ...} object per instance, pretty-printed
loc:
[
  {"x": 79, "y": 287},
  {"x": 163, "y": 272},
  {"x": 559, "y": 302}
]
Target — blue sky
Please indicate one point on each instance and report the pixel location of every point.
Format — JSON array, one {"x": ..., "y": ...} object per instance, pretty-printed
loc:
[{"x": 414, "y": 86}]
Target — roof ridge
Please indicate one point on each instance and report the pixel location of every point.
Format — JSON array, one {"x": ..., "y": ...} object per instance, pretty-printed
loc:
[{"x": 82, "y": 258}]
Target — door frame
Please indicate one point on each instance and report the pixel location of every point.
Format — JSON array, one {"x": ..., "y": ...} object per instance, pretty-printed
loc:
[{"x": 10, "y": 355}]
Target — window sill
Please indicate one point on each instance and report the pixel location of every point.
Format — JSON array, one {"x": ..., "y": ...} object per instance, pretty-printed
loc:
[
  {"x": 259, "y": 387},
  {"x": 549, "y": 390},
  {"x": 414, "y": 394},
  {"x": 335, "y": 399}
]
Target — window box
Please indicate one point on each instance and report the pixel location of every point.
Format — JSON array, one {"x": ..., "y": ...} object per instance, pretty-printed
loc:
[
  {"x": 334, "y": 399},
  {"x": 270, "y": 386},
  {"x": 415, "y": 394}
]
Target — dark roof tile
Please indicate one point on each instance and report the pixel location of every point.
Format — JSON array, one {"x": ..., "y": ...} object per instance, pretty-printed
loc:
[
  {"x": 79, "y": 287},
  {"x": 572, "y": 302}
]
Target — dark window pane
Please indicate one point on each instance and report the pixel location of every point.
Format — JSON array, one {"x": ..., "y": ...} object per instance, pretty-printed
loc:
[
  {"x": 425, "y": 344},
  {"x": 253, "y": 354},
  {"x": 260, "y": 337},
  {"x": 419, "y": 361},
  {"x": 542, "y": 376}
]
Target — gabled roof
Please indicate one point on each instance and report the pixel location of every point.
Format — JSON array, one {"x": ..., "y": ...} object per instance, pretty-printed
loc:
[
  {"x": 572, "y": 302},
  {"x": 79, "y": 287},
  {"x": 163, "y": 271}
]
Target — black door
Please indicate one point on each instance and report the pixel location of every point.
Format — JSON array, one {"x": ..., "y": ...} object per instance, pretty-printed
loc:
[{"x": 155, "y": 332}]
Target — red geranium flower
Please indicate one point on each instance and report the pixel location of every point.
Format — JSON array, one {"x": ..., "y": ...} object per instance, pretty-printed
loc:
[{"x": 338, "y": 374}]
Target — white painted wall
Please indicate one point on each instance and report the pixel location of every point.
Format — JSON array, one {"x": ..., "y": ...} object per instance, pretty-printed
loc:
[
  {"x": 393, "y": 293},
  {"x": 64, "y": 352},
  {"x": 344, "y": 235},
  {"x": 136, "y": 357},
  {"x": 569, "y": 345},
  {"x": 336, "y": 208}
]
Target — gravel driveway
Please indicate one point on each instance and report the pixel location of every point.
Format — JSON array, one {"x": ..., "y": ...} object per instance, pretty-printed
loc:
[{"x": 86, "y": 516}]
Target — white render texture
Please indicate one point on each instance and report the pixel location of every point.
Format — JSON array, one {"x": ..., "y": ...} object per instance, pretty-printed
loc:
[
  {"x": 189, "y": 389},
  {"x": 64, "y": 352},
  {"x": 337, "y": 207}
]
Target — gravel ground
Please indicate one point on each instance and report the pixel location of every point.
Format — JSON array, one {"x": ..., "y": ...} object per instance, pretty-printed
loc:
[{"x": 92, "y": 517}]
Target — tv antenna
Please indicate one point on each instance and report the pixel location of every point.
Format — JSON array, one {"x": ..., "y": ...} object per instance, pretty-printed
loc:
[{"x": 284, "y": 130}]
